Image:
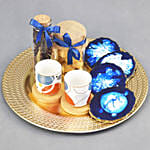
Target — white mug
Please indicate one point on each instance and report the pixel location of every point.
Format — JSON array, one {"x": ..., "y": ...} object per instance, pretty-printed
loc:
[
  {"x": 77, "y": 87},
  {"x": 48, "y": 76}
]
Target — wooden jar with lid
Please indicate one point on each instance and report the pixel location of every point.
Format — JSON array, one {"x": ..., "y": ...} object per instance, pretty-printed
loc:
[{"x": 77, "y": 33}]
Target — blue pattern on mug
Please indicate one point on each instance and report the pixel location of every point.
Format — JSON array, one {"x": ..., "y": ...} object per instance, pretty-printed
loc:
[
  {"x": 46, "y": 79},
  {"x": 66, "y": 86},
  {"x": 58, "y": 77}
]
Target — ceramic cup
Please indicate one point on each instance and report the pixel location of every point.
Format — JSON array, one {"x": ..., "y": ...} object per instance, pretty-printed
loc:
[
  {"x": 48, "y": 76},
  {"x": 77, "y": 87}
]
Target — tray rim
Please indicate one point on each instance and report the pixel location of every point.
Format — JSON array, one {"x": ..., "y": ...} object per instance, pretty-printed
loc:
[{"x": 65, "y": 131}]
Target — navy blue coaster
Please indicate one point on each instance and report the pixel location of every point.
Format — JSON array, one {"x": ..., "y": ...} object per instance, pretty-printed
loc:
[
  {"x": 106, "y": 76},
  {"x": 98, "y": 48},
  {"x": 112, "y": 104},
  {"x": 122, "y": 59}
]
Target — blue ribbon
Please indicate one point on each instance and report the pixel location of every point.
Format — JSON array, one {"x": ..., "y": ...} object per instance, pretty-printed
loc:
[
  {"x": 46, "y": 30},
  {"x": 67, "y": 42}
]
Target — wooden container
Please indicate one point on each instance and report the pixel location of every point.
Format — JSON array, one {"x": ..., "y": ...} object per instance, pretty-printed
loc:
[{"x": 77, "y": 33}]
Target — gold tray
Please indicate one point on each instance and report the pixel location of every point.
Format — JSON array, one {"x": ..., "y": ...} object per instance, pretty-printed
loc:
[{"x": 16, "y": 85}]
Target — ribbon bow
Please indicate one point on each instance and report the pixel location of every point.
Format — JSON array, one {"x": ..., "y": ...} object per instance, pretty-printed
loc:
[
  {"x": 46, "y": 30},
  {"x": 67, "y": 42}
]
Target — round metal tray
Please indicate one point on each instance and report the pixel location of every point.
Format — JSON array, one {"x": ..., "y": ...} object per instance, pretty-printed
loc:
[{"x": 16, "y": 85}]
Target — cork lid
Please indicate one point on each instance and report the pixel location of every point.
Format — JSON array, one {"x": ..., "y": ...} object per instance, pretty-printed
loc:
[
  {"x": 76, "y": 30},
  {"x": 44, "y": 20}
]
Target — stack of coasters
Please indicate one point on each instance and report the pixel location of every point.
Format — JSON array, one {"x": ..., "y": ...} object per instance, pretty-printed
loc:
[
  {"x": 47, "y": 102},
  {"x": 70, "y": 109},
  {"x": 110, "y": 70}
]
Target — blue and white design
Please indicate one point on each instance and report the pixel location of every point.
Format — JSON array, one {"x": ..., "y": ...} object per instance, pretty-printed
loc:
[
  {"x": 98, "y": 48},
  {"x": 78, "y": 87},
  {"x": 48, "y": 76},
  {"x": 106, "y": 76},
  {"x": 79, "y": 95},
  {"x": 47, "y": 80},
  {"x": 66, "y": 86},
  {"x": 112, "y": 103},
  {"x": 122, "y": 59}
]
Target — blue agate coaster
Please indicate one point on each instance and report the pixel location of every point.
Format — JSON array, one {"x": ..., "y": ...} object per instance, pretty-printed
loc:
[
  {"x": 111, "y": 104},
  {"x": 98, "y": 48},
  {"x": 106, "y": 76},
  {"x": 122, "y": 59}
]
